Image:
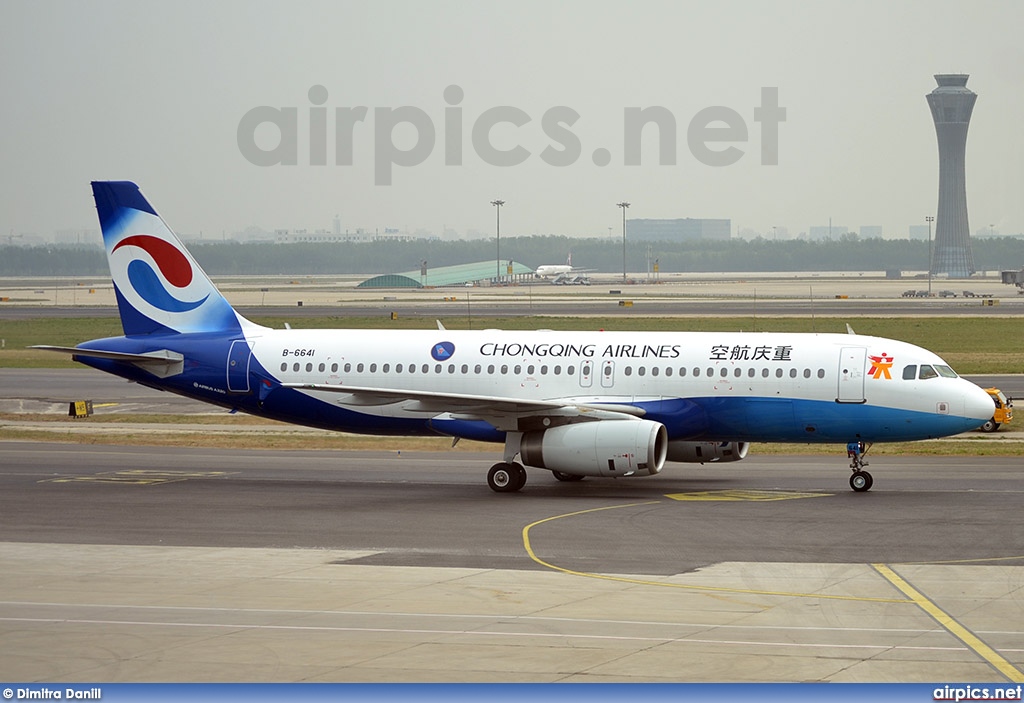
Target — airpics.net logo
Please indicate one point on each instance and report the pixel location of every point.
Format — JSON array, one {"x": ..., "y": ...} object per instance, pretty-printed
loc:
[{"x": 715, "y": 136}]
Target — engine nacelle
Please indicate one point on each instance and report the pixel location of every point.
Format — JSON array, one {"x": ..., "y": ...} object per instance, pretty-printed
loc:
[
  {"x": 601, "y": 448},
  {"x": 702, "y": 452}
]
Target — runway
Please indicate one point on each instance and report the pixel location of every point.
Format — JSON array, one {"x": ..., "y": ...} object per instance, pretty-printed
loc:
[{"x": 135, "y": 563}]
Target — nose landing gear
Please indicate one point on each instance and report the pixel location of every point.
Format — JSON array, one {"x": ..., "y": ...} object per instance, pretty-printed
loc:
[{"x": 861, "y": 480}]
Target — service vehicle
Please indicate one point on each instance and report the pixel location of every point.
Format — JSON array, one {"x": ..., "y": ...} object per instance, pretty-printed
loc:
[{"x": 1003, "y": 413}]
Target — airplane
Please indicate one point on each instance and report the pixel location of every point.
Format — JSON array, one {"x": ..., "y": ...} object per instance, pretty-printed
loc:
[
  {"x": 548, "y": 270},
  {"x": 575, "y": 403}
]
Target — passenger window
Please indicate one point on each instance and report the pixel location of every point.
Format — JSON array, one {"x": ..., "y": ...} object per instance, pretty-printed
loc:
[
  {"x": 642, "y": 371},
  {"x": 504, "y": 369},
  {"x": 927, "y": 372},
  {"x": 737, "y": 373},
  {"x": 654, "y": 371},
  {"x": 284, "y": 366},
  {"x": 321, "y": 368},
  {"x": 765, "y": 372},
  {"x": 451, "y": 368},
  {"x": 910, "y": 372},
  {"x": 778, "y": 373},
  {"x": 544, "y": 370},
  {"x": 807, "y": 373},
  {"x": 348, "y": 368},
  {"x": 821, "y": 373},
  {"x": 476, "y": 369},
  {"x": 373, "y": 368},
  {"x": 668, "y": 371},
  {"x": 696, "y": 371},
  {"x": 792, "y": 373},
  {"x": 334, "y": 368},
  {"x": 490, "y": 370},
  {"x": 628, "y": 370},
  {"x": 296, "y": 367},
  {"x": 571, "y": 370},
  {"x": 386, "y": 368},
  {"x": 309, "y": 367}
]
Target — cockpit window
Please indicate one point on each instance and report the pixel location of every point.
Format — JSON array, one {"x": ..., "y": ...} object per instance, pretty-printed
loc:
[
  {"x": 927, "y": 372},
  {"x": 945, "y": 371},
  {"x": 910, "y": 372}
]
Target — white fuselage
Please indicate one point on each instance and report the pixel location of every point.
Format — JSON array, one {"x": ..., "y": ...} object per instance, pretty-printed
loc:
[{"x": 737, "y": 379}]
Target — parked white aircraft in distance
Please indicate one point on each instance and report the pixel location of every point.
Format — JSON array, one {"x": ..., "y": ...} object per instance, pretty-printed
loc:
[
  {"x": 594, "y": 403},
  {"x": 549, "y": 270}
]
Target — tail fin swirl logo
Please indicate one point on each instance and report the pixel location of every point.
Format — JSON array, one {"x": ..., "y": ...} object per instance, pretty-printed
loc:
[{"x": 174, "y": 267}]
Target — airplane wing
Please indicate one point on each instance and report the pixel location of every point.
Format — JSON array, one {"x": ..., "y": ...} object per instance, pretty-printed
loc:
[{"x": 507, "y": 414}]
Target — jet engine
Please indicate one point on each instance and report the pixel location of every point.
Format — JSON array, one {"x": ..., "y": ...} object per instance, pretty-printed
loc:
[
  {"x": 702, "y": 452},
  {"x": 602, "y": 448}
]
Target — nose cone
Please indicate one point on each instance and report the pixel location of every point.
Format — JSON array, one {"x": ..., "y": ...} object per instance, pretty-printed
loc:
[{"x": 977, "y": 403}]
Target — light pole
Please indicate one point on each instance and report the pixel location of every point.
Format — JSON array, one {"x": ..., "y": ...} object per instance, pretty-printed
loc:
[
  {"x": 497, "y": 261},
  {"x": 623, "y": 205},
  {"x": 929, "y": 219}
]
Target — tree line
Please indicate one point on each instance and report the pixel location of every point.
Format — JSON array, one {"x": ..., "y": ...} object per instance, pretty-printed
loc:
[{"x": 600, "y": 255}]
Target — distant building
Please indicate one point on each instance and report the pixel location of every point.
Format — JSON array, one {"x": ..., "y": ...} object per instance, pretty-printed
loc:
[
  {"x": 870, "y": 232},
  {"x": 294, "y": 236},
  {"x": 679, "y": 230},
  {"x": 918, "y": 233},
  {"x": 826, "y": 232},
  {"x": 477, "y": 273},
  {"x": 90, "y": 237}
]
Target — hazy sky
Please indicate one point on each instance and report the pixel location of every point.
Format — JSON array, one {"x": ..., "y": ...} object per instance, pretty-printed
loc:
[{"x": 155, "y": 92}]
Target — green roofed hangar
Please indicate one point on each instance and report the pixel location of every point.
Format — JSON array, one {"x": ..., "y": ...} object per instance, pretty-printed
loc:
[{"x": 481, "y": 273}]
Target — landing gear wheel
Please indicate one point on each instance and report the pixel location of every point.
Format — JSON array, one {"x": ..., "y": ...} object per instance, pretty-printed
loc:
[
  {"x": 562, "y": 476},
  {"x": 506, "y": 478},
  {"x": 861, "y": 481}
]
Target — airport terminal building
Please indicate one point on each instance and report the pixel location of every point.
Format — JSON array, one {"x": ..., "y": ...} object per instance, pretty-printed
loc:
[{"x": 686, "y": 229}]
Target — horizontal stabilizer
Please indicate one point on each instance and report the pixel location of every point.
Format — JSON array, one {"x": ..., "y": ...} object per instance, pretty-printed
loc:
[{"x": 161, "y": 363}]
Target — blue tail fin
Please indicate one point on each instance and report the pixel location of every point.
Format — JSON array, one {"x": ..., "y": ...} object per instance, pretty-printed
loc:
[{"x": 160, "y": 288}]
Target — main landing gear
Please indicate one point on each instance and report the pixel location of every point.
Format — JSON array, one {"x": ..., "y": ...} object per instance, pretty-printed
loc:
[
  {"x": 861, "y": 480},
  {"x": 506, "y": 477}
]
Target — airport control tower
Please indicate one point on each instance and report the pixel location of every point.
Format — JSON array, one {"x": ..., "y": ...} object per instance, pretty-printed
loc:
[{"x": 951, "y": 104}]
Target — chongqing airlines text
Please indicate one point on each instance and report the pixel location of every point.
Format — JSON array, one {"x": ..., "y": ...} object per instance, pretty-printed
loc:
[{"x": 587, "y": 351}]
